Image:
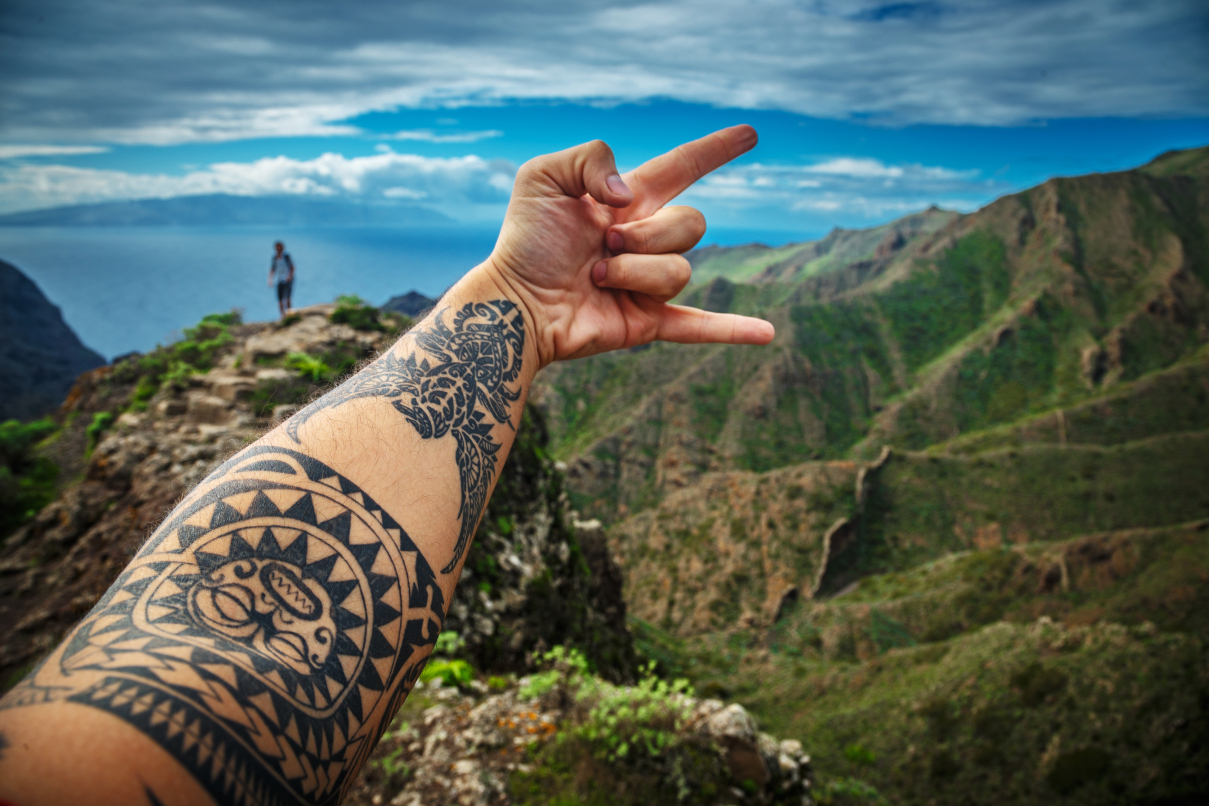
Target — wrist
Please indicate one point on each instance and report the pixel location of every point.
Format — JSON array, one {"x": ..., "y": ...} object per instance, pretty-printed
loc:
[{"x": 489, "y": 281}]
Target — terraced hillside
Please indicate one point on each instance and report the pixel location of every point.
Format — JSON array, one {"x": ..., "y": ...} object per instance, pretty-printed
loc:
[{"x": 951, "y": 529}]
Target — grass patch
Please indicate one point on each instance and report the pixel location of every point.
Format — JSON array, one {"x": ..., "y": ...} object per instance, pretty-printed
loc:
[{"x": 27, "y": 479}]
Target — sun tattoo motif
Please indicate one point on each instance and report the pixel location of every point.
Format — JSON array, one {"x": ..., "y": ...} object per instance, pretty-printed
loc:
[
  {"x": 262, "y": 636},
  {"x": 463, "y": 387}
]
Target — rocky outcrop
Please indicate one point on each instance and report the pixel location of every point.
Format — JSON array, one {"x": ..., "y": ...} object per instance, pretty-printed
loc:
[
  {"x": 531, "y": 581},
  {"x": 413, "y": 304},
  {"x": 40, "y": 356},
  {"x": 471, "y": 746}
]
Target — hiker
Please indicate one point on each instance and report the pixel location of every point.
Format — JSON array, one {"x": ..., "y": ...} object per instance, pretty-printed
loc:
[
  {"x": 283, "y": 267},
  {"x": 260, "y": 642}
]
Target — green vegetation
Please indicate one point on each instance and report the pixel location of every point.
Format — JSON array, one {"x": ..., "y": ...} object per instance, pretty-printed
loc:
[
  {"x": 313, "y": 373},
  {"x": 937, "y": 306},
  {"x": 626, "y": 745},
  {"x": 451, "y": 672},
  {"x": 27, "y": 479},
  {"x": 309, "y": 367},
  {"x": 172, "y": 365},
  {"x": 357, "y": 314},
  {"x": 1013, "y": 610},
  {"x": 101, "y": 422}
]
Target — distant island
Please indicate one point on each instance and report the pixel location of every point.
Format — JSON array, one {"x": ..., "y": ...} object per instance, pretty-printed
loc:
[{"x": 220, "y": 209}]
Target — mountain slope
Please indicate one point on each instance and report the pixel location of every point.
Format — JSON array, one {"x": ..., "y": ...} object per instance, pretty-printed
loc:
[
  {"x": 1006, "y": 604},
  {"x": 40, "y": 356},
  {"x": 1040, "y": 301}
]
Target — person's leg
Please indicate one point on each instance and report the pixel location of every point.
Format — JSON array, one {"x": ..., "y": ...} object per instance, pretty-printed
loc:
[
  {"x": 282, "y": 296},
  {"x": 289, "y": 292}
]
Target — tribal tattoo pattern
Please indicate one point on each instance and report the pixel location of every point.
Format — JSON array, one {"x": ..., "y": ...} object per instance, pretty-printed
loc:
[
  {"x": 462, "y": 385},
  {"x": 264, "y": 635}
]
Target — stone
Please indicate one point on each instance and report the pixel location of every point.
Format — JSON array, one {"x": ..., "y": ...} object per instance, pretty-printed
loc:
[
  {"x": 792, "y": 748},
  {"x": 273, "y": 374},
  {"x": 735, "y": 731},
  {"x": 172, "y": 407},
  {"x": 207, "y": 409},
  {"x": 232, "y": 387}
]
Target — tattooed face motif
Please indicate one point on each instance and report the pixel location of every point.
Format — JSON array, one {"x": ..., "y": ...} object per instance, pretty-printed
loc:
[{"x": 269, "y": 605}]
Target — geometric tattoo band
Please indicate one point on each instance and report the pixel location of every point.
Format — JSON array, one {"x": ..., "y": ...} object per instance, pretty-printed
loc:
[
  {"x": 262, "y": 634},
  {"x": 461, "y": 385}
]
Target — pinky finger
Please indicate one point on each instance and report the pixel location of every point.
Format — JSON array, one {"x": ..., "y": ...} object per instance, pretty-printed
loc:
[{"x": 694, "y": 326}]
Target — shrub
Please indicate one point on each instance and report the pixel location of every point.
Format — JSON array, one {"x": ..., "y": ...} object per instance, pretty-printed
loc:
[
  {"x": 197, "y": 352},
  {"x": 448, "y": 643},
  {"x": 568, "y": 667},
  {"x": 644, "y": 717},
  {"x": 177, "y": 375},
  {"x": 27, "y": 480},
  {"x": 101, "y": 422},
  {"x": 352, "y": 311},
  {"x": 309, "y": 367},
  {"x": 451, "y": 672},
  {"x": 620, "y": 719}
]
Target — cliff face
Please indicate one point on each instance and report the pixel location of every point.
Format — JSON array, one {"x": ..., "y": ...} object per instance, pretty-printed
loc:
[{"x": 40, "y": 356}]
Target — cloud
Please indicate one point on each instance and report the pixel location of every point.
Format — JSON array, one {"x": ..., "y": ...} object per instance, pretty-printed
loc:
[
  {"x": 448, "y": 183},
  {"x": 850, "y": 186},
  {"x": 14, "y": 151},
  {"x": 429, "y": 136},
  {"x": 209, "y": 70}
]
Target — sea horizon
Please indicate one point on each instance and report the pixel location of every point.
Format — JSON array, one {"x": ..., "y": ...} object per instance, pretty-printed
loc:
[{"x": 127, "y": 289}]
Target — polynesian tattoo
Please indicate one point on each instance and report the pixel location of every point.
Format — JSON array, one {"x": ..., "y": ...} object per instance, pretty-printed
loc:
[
  {"x": 264, "y": 635},
  {"x": 462, "y": 386}
]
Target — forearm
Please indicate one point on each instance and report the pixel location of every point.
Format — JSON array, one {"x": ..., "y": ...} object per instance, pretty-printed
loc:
[
  {"x": 268, "y": 630},
  {"x": 260, "y": 641}
]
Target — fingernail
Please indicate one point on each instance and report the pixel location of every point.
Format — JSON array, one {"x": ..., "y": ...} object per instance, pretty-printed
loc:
[
  {"x": 615, "y": 241},
  {"x": 617, "y": 186},
  {"x": 598, "y": 272}
]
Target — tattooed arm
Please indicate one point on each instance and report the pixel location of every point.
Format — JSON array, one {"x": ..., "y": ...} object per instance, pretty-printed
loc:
[{"x": 259, "y": 643}]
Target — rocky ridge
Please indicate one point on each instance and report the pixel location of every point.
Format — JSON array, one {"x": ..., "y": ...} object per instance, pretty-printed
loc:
[
  {"x": 135, "y": 436},
  {"x": 472, "y": 746}
]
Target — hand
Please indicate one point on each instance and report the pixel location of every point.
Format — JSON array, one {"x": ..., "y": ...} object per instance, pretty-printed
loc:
[{"x": 595, "y": 257}]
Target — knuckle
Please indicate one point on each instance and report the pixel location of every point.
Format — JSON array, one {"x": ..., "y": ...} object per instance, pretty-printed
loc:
[
  {"x": 641, "y": 239},
  {"x": 682, "y": 270},
  {"x": 620, "y": 270},
  {"x": 598, "y": 148},
  {"x": 530, "y": 168}
]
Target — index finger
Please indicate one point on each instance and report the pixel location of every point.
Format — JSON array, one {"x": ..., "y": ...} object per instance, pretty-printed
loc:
[
  {"x": 684, "y": 325},
  {"x": 658, "y": 181}
]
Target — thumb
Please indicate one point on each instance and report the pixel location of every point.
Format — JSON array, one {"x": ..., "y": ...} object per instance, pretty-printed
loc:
[{"x": 586, "y": 169}]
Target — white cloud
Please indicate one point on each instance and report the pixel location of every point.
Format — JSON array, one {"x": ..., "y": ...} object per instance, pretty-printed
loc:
[
  {"x": 208, "y": 70},
  {"x": 446, "y": 183},
  {"x": 429, "y": 136},
  {"x": 850, "y": 186},
  {"x": 14, "y": 151},
  {"x": 848, "y": 166}
]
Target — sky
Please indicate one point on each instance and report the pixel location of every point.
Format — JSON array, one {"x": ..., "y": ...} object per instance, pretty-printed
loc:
[{"x": 866, "y": 110}]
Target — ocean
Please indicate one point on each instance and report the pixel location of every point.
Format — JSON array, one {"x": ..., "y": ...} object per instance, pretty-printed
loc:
[{"x": 123, "y": 289}]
